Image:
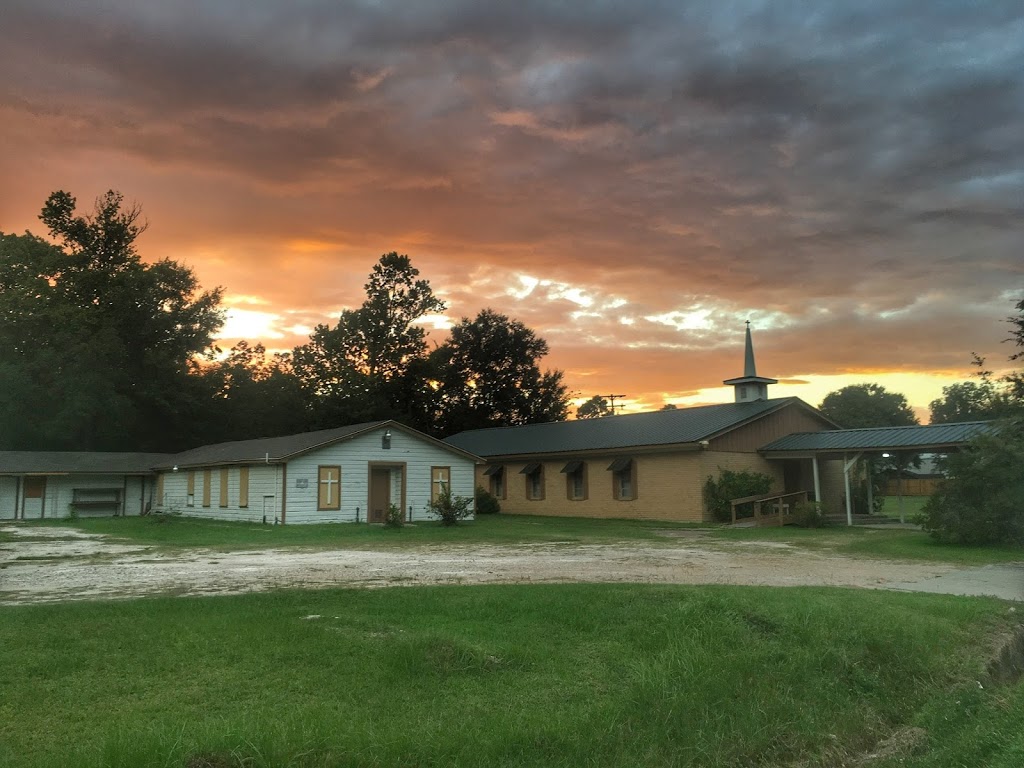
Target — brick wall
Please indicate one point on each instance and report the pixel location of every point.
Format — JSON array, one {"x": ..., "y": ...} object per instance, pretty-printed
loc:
[{"x": 669, "y": 486}]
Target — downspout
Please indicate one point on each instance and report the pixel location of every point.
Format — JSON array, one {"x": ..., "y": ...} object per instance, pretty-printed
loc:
[{"x": 284, "y": 491}]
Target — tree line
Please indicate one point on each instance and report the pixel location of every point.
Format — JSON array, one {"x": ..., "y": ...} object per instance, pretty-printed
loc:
[{"x": 100, "y": 350}]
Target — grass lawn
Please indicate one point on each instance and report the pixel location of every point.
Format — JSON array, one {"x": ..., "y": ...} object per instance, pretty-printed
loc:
[
  {"x": 548, "y": 675},
  {"x": 911, "y": 506},
  {"x": 174, "y": 531},
  {"x": 163, "y": 532}
]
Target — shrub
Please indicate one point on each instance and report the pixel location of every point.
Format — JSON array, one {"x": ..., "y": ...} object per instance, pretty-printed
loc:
[
  {"x": 733, "y": 485},
  {"x": 450, "y": 508},
  {"x": 808, "y": 514},
  {"x": 981, "y": 501},
  {"x": 394, "y": 518},
  {"x": 486, "y": 502}
]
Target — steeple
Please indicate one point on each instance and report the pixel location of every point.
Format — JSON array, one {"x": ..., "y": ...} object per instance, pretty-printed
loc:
[{"x": 750, "y": 386}]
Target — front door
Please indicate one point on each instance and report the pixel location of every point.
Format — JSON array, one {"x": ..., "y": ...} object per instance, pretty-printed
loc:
[
  {"x": 380, "y": 493},
  {"x": 35, "y": 494}
]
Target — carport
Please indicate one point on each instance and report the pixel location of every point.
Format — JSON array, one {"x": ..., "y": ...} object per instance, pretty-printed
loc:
[{"x": 853, "y": 445}]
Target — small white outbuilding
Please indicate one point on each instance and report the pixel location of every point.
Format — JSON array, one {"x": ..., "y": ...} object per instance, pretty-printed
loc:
[{"x": 349, "y": 474}]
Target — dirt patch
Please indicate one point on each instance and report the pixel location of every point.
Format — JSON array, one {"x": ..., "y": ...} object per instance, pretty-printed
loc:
[{"x": 90, "y": 567}]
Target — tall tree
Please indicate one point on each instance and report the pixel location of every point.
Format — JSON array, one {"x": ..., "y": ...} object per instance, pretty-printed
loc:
[
  {"x": 1015, "y": 380},
  {"x": 370, "y": 365},
  {"x": 867, "y": 405},
  {"x": 595, "y": 408},
  {"x": 99, "y": 342},
  {"x": 488, "y": 375}
]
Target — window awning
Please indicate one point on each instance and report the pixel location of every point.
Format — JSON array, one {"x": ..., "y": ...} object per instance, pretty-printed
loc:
[
  {"x": 621, "y": 464},
  {"x": 572, "y": 467},
  {"x": 494, "y": 469},
  {"x": 530, "y": 468}
]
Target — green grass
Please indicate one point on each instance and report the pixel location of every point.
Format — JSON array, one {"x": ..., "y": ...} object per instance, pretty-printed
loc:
[
  {"x": 172, "y": 533},
  {"x": 877, "y": 543},
  {"x": 552, "y": 675},
  {"x": 911, "y": 506},
  {"x": 176, "y": 532}
]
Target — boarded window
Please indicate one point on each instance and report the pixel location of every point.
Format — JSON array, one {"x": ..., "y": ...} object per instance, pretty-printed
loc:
[
  {"x": 329, "y": 484},
  {"x": 207, "y": 483},
  {"x": 34, "y": 487},
  {"x": 243, "y": 487},
  {"x": 440, "y": 481},
  {"x": 190, "y": 500},
  {"x": 160, "y": 489},
  {"x": 224, "y": 486}
]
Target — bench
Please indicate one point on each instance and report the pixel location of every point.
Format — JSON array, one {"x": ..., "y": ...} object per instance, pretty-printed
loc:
[{"x": 96, "y": 499}]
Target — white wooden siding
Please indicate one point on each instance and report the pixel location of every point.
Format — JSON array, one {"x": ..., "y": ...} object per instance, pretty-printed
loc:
[
  {"x": 264, "y": 494},
  {"x": 353, "y": 456},
  {"x": 8, "y": 497},
  {"x": 60, "y": 491}
]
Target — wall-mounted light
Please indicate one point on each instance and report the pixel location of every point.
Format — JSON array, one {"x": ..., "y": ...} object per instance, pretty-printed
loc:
[
  {"x": 385, "y": 439},
  {"x": 174, "y": 468},
  {"x": 886, "y": 455}
]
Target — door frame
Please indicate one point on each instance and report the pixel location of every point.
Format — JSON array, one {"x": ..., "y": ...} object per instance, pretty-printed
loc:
[
  {"x": 391, "y": 465},
  {"x": 41, "y": 496}
]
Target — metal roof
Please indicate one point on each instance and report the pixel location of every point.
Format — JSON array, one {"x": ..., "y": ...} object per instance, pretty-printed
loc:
[
  {"x": 276, "y": 449},
  {"x": 654, "y": 428},
  {"x": 879, "y": 438},
  {"x": 273, "y": 449},
  {"x": 78, "y": 462}
]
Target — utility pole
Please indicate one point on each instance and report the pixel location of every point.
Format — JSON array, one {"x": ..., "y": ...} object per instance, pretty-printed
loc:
[{"x": 611, "y": 398}]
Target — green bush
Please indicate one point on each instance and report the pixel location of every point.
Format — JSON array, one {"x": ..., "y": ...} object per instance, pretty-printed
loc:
[
  {"x": 394, "y": 518},
  {"x": 450, "y": 509},
  {"x": 808, "y": 514},
  {"x": 733, "y": 485},
  {"x": 981, "y": 501},
  {"x": 486, "y": 502}
]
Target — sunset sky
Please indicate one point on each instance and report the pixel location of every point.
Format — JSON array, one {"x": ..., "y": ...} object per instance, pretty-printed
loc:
[{"x": 632, "y": 180}]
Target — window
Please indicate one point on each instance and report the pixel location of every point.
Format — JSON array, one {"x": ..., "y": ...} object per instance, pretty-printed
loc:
[
  {"x": 243, "y": 487},
  {"x": 223, "y": 486},
  {"x": 329, "y": 483},
  {"x": 160, "y": 489},
  {"x": 575, "y": 480},
  {"x": 440, "y": 481},
  {"x": 623, "y": 479},
  {"x": 190, "y": 499},
  {"x": 534, "y": 472},
  {"x": 207, "y": 481},
  {"x": 496, "y": 476}
]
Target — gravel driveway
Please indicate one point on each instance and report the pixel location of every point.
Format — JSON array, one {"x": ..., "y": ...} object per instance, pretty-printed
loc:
[{"x": 47, "y": 565}]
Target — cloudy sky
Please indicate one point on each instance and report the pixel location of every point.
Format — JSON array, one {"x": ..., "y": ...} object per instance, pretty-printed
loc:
[{"x": 633, "y": 180}]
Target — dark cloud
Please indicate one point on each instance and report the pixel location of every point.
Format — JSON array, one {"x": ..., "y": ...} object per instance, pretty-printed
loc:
[{"x": 850, "y": 171}]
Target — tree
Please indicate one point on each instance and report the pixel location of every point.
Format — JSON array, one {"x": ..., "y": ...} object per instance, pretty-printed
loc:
[
  {"x": 595, "y": 408},
  {"x": 101, "y": 341},
  {"x": 372, "y": 363},
  {"x": 252, "y": 394},
  {"x": 395, "y": 301},
  {"x": 969, "y": 401},
  {"x": 1015, "y": 381},
  {"x": 867, "y": 405},
  {"x": 488, "y": 376},
  {"x": 669, "y": 407},
  {"x": 979, "y": 502}
]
